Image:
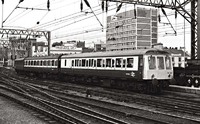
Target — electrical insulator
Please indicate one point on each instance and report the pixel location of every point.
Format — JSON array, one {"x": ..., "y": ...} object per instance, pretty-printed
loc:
[
  {"x": 163, "y": 11},
  {"x": 48, "y": 4},
  {"x": 102, "y": 5},
  {"x": 2, "y": 1},
  {"x": 81, "y": 5},
  {"x": 175, "y": 14},
  {"x": 21, "y": 1},
  {"x": 106, "y": 5},
  {"x": 159, "y": 19},
  {"x": 87, "y": 3},
  {"x": 119, "y": 7}
]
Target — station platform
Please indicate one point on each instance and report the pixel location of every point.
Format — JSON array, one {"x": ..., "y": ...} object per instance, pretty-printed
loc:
[{"x": 184, "y": 89}]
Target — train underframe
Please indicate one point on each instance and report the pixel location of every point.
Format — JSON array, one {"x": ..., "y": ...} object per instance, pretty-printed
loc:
[{"x": 142, "y": 86}]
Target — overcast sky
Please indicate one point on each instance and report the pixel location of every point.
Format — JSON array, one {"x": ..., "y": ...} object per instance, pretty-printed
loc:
[{"x": 67, "y": 22}]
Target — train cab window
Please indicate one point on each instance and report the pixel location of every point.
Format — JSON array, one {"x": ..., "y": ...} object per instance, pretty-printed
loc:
[
  {"x": 160, "y": 63},
  {"x": 40, "y": 63},
  {"x": 108, "y": 62},
  {"x": 119, "y": 62},
  {"x": 99, "y": 62},
  {"x": 83, "y": 62},
  {"x": 129, "y": 62},
  {"x": 152, "y": 62},
  {"x": 168, "y": 63}
]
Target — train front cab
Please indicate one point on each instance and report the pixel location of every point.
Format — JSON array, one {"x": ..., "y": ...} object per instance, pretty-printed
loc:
[{"x": 158, "y": 71}]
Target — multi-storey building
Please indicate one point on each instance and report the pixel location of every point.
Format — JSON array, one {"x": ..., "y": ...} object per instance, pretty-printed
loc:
[{"x": 132, "y": 29}]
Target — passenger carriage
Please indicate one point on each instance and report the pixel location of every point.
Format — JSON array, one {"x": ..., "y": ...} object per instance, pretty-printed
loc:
[
  {"x": 40, "y": 66},
  {"x": 142, "y": 69}
]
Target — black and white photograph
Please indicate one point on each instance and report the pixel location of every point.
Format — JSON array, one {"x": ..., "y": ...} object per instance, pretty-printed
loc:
[{"x": 99, "y": 62}]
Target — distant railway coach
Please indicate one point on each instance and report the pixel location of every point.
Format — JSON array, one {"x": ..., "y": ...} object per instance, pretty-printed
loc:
[
  {"x": 40, "y": 66},
  {"x": 145, "y": 70}
]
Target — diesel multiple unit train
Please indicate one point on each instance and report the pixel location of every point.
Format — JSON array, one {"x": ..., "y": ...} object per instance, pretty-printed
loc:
[{"x": 144, "y": 70}]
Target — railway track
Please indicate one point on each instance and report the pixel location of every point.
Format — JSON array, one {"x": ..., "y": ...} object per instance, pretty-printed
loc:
[
  {"x": 169, "y": 105},
  {"x": 68, "y": 106},
  {"x": 117, "y": 95},
  {"x": 84, "y": 115}
]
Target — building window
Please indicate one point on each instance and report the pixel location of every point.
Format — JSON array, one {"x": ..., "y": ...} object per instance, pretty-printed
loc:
[{"x": 179, "y": 59}]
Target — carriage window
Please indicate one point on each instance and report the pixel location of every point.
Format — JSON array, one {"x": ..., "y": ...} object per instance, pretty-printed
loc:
[
  {"x": 160, "y": 62},
  {"x": 52, "y": 62},
  {"x": 76, "y": 62},
  {"x": 83, "y": 62},
  {"x": 129, "y": 62},
  {"x": 152, "y": 62},
  {"x": 91, "y": 62},
  {"x": 113, "y": 63},
  {"x": 31, "y": 62},
  {"x": 108, "y": 62},
  {"x": 34, "y": 62},
  {"x": 87, "y": 63},
  {"x": 48, "y": 63},
  {"x": 124, "y": 63},
  {"x": 95, "y": 63},
  {"x": 56, "y": 63},
  {"x": 80, "y": 63},
  {"x": 44, "y": 63},
  {"x": 99, "y": 62},
  {"x": 119, "y": 62},
  {"x": 65, "y": 62},
  {"x": 103, "y": 63},
  {"x": 72, "y": 62},
  {"x": 37, "y": 63},
  {"x": 168, "y": 62}
]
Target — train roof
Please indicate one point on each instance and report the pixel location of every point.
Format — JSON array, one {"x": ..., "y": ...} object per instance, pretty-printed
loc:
[
  {"x": 19, "y": 59},
  {"x": 117, "y": 53},
  {"x": 42, "y": 57}
]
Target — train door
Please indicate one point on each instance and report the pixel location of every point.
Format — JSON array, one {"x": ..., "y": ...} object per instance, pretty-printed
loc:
[{"x": 141, "y": 67}]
